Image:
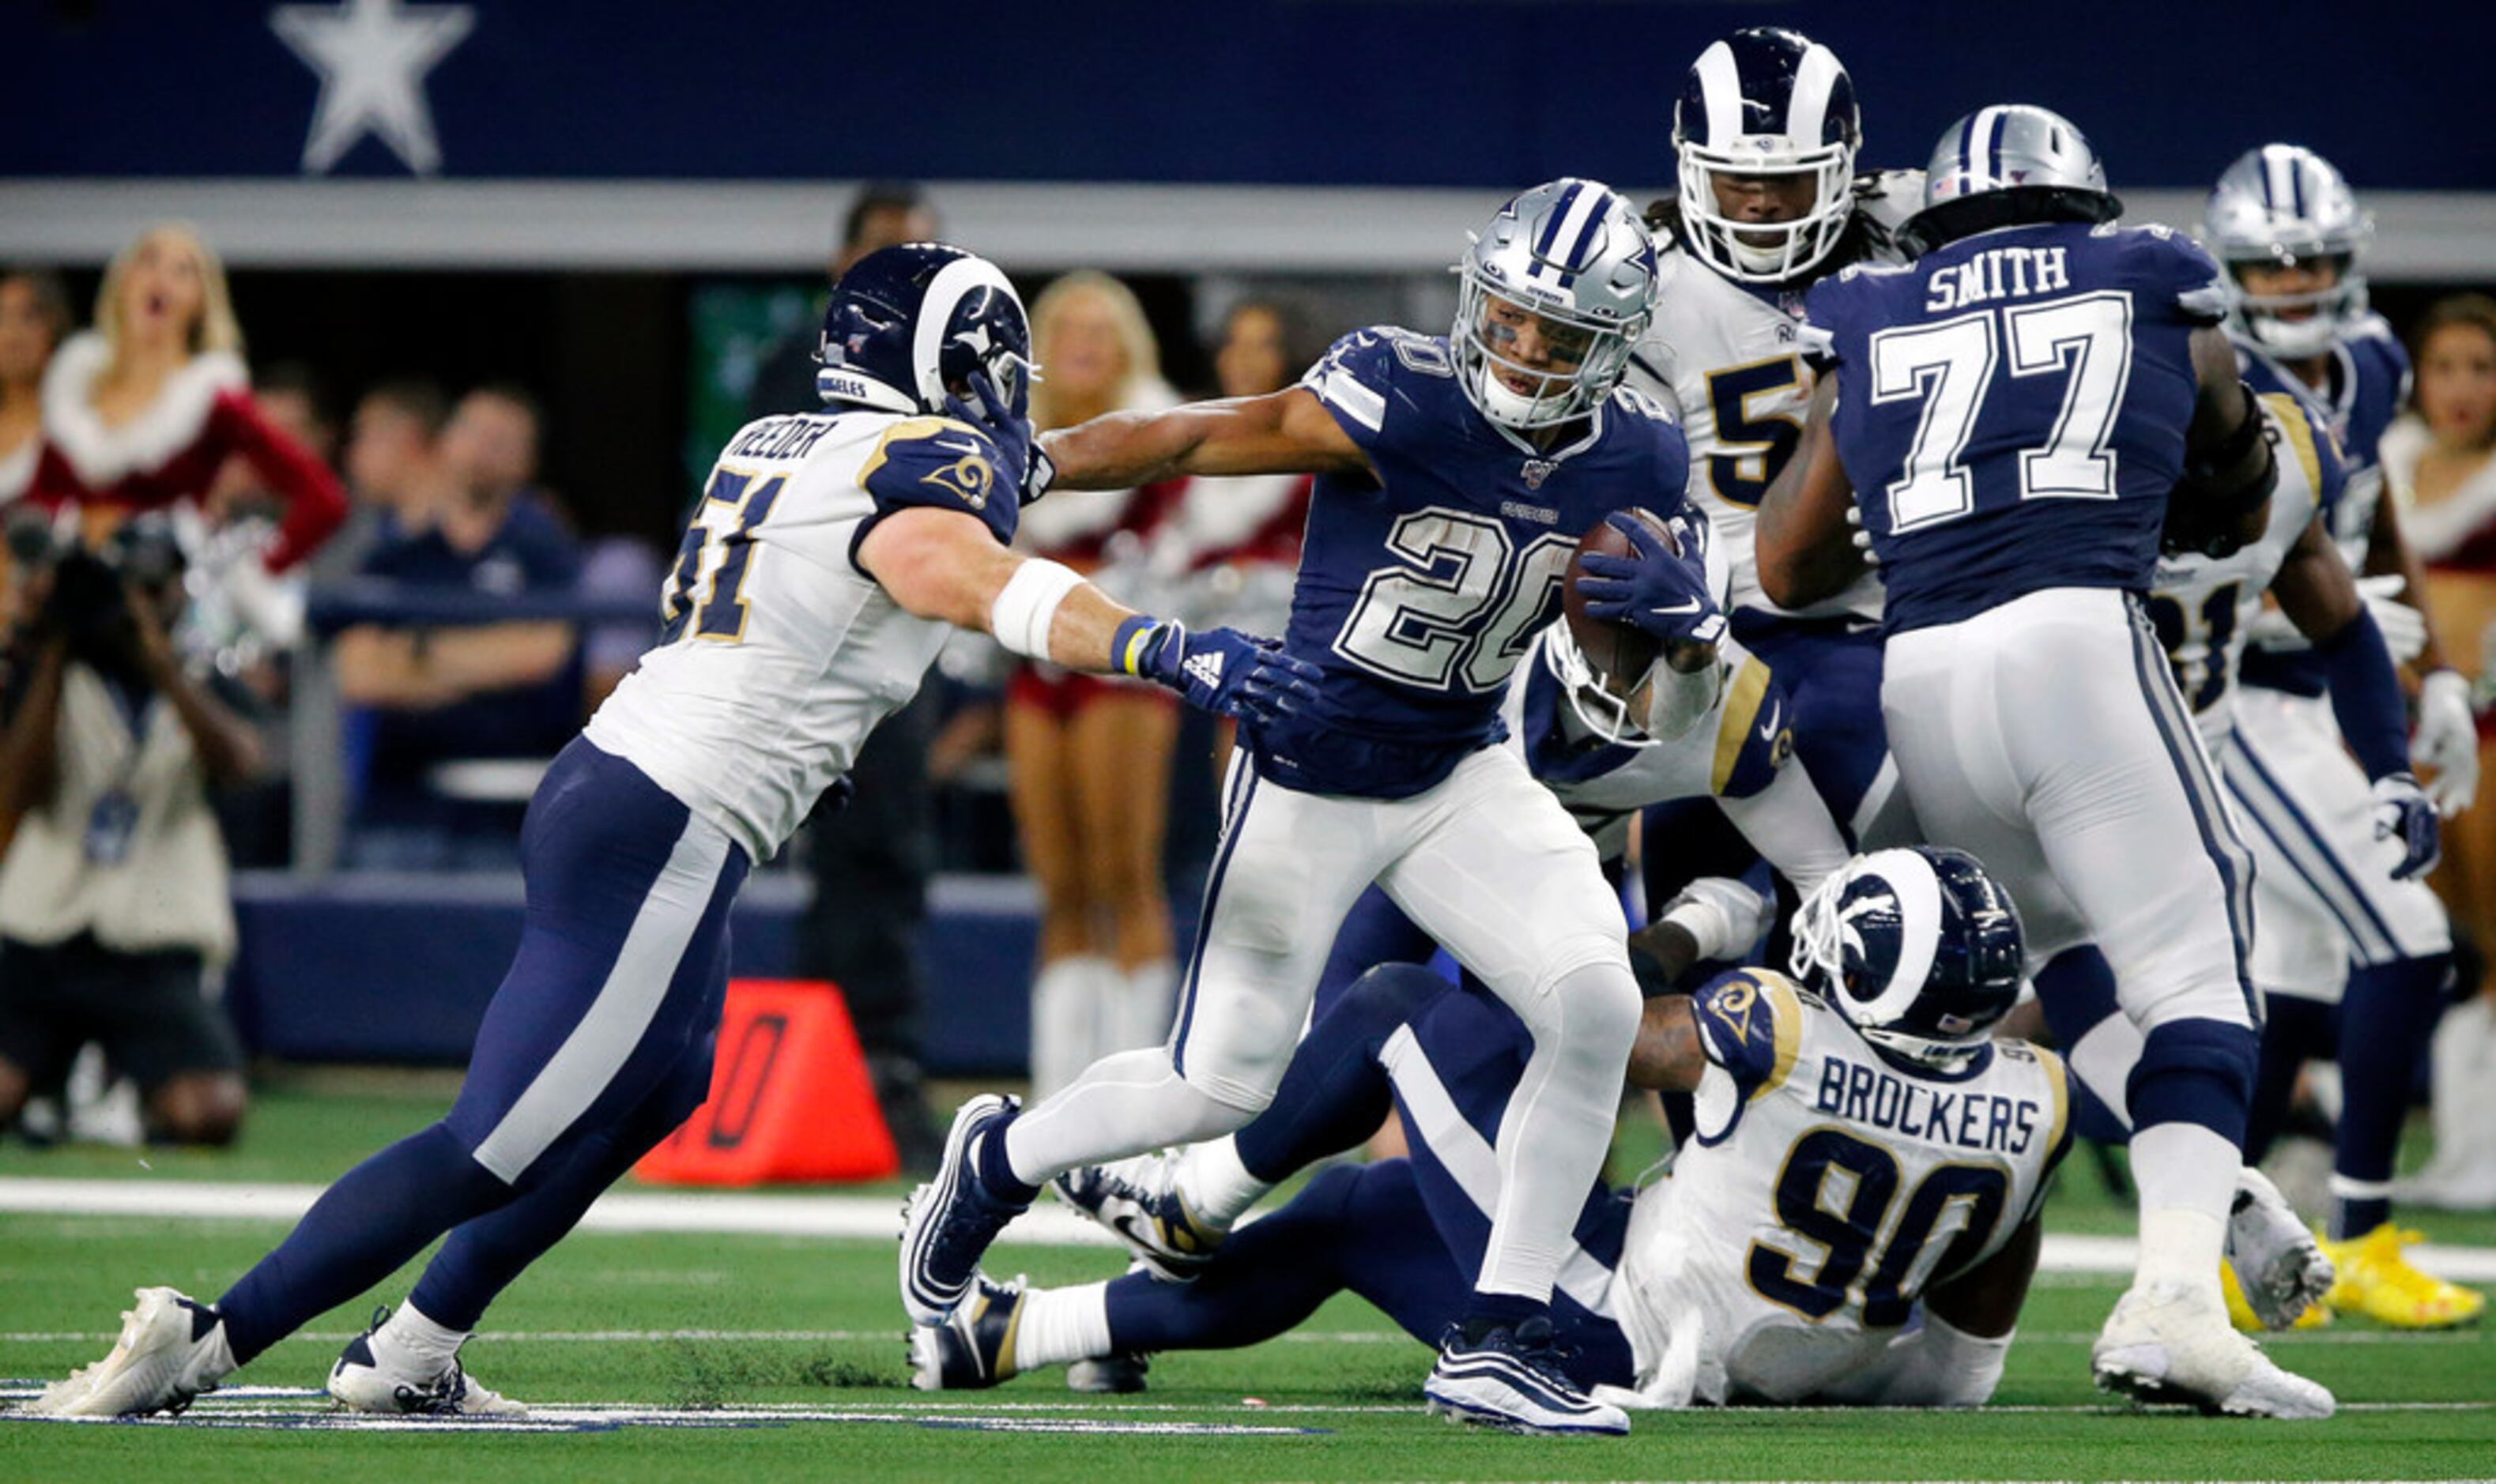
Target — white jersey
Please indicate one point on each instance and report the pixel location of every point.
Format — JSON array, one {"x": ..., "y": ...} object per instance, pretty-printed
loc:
[
  {"x": 779, "y": 655},
  {"x": 2205, "y": 608},
  {"x": 1726, "y": 359},
  {"x": 1825, "y": 1188}
]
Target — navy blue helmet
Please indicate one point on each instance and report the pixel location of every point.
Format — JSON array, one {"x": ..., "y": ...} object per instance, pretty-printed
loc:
[
  {"x": 1767, "y": 101},
  {"x": 907, "y": 324},
  {"x": 1917, "y": 947}
]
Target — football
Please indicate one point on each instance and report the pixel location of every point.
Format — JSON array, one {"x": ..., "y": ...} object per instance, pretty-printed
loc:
[{"x": 1611, "y": 648}]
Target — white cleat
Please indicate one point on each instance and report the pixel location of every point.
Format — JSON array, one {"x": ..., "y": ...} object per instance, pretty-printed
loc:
[
  {"x": 2280, "y": 1268},
  {"x": 366, "y": 1382},
  {"x": 2176, "y": 1345},
  {"x": 171, "y": 1350}
]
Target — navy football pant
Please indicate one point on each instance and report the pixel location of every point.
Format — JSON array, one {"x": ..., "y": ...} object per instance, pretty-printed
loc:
[{"x": 596, "y": 1046}]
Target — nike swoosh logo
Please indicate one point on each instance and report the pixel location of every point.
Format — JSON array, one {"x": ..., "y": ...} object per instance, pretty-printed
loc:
[
  {"x": 1769, "y": 727},
  {"x": 1692, "y": 607},
  {"x": 958, "y": 448}
]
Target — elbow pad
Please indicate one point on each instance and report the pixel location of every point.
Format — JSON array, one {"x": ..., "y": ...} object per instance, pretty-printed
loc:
[{"x": 2221, "y": 486}]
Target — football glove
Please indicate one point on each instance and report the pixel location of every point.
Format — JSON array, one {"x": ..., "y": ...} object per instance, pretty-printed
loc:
[
  {"x": 2446, "y": 740},
  {"x": 1861, "y": 538},
  {"x": 2404, "y": 813},
  {"x": 1220, "y": 671},
  {"x": 2404, "y": 626},
  {"x": 1008, "y": 426},
  {"x": 1664, "y": 594}
]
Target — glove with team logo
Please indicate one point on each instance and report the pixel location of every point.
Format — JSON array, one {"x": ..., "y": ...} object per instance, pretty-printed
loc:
[
  {"x": 2403, "y": 812},
  {"x": 2446, "y": 740},
  {"x": 1220, "y": 671},
  {"x": 2404, "y": 626},
  {"x": 1661, "y": 591}
]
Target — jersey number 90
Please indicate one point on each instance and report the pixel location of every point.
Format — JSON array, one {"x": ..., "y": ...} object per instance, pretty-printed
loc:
[{"x": 1836, "y": 1191}]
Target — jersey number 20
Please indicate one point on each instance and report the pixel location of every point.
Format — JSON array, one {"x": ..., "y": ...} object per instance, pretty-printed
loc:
[
  {"x": 1949, "y": 366},
  {"x": 1460, "y": 609}
]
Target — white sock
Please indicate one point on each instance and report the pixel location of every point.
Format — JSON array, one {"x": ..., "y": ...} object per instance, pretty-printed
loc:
[
  {"x": 1140, "y": 1004},
  {"x": 1216, "y": 1187},
  {"x": 1122, "y": 1106},
  {"x": 2103, "y": 1058},
  {"x": 2187, "y": 1175},
  {"x": 409, "y": 1342},
  {"x": 1064, "y": 1013},
  {"x": 1058, "y": 1325}
]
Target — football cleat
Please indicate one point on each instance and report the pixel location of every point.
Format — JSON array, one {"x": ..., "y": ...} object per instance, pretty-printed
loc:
[
  {"x": 1511, "y": 1378},
  {"x": 1116, "y": 1375},
  {"x": 2175, "y": 1346},
  {"x": 368, "y": 1383},
  {"x": 974, "y": 1348},
  {"x": 2279, "y": 1272},
  {"x": 2377, "y": 1281},
  {"x": 2241, "y": 1314},
  {"x": 949, "y": 1223},
  {"x": 171, "y": 1350},
  {"x": 1138, "y": 1201}
]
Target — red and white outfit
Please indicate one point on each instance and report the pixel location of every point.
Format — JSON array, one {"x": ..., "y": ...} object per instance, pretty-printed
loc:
[
  {"x": 1229, "y": 549},
  {"x": 170, "y": 452},
  {"x": 2457, "y": 534}
]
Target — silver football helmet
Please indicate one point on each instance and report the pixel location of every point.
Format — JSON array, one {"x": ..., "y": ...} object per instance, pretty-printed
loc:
[
  {"x": 2284, "y": 206},
  {"x": 2008, "y": 164},
  {"x": 1557, "y": 290},
  {"x": 1767, "y": 101}
]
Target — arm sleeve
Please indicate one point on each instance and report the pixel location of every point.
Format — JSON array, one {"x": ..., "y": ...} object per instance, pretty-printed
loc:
[
  {"x": 2366, "y": 696},
  {"x": 935, "y": 463},
  {"x": 315, "y": 504},
  {"x": 1790, "y": 828}
]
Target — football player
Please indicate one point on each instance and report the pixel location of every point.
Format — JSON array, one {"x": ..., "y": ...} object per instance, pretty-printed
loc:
[
  {"x": 1454, "y": 474},
  {"x": 831, "y": 554},
  {"x": 1766, "y": 132},
  {"x": 1856, "y": 1219},
  {"x": 2009, "y": 415},
  {"x": 2348, "y": 936}
]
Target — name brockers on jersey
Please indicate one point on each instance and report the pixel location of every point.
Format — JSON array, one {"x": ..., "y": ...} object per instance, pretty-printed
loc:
[
  {"x": 2000, "y": 273},
  {"x": 1924, "y": 1110}
]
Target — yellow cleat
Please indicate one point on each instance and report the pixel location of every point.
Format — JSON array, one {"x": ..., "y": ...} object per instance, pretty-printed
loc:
[
  {"x": 2377, "y": 1281},
  {"x": 2241, "y": 1314}
]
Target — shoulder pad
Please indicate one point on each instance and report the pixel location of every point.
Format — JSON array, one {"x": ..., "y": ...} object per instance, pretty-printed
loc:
[
  {"x": 940, "y": 462},
  {"x": 1750, "y": 1023},
  {"x": 1360, "y": 370},
  {"x": 2173, "y": 268}
]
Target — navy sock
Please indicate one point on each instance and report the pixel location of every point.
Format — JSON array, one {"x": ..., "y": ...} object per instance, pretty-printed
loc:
[
  {"x": 1333, "y": 1095},
  {"x": 995, "y": 1174},
  {"x": 376, "y": 1217},
  {"x": 2389, "y": 1012},
  {"x": 2293, "y": 1032},
  {"x": 2194, "y": 1071},
  {"x": 1487, "y": 1312},
  {"x": 1271, "y": 1274}
]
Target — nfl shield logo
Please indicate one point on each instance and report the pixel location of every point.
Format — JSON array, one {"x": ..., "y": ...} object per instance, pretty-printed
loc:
[{"x": 1535, "y": 471}]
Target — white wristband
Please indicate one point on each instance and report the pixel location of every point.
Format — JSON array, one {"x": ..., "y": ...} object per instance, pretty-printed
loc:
[
  {"x": 1722, "y": 916},
  {"x": 1027, "y": 605}
]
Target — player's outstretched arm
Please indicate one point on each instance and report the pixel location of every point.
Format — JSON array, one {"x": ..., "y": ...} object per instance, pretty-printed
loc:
[
  {"x": 1806, "y": 545},
  {"x": 945, "y": 564},
  {"x": 2223, "y": 502},
  {"x": 1285, "y": 432}
]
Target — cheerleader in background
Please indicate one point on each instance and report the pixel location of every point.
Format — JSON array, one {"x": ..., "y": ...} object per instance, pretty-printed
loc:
[
  {"x": 2440, "y": 461},
  {"x": 142, "y": 411},
  {"x": 1229, "y": 549},
  {"x": 1087, "y": 759},
  {"x": 34, "y": 317}
]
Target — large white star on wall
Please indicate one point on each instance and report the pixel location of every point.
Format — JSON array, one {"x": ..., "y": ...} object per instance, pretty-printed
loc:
[{"x": 372, "y": 56}]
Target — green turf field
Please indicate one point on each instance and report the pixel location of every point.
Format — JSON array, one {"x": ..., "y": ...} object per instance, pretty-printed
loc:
[{"x": 756, "y": 1330}]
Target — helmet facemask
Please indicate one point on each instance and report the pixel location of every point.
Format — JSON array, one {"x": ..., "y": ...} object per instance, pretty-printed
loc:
[
  {"x": 1832, "y": 952},
  {"x": 1765, "y": 252},
  {"x": 2297, "y": 327},
  {"x": 1583, "y": 358},
  {"x": 1603, "y": 704}
]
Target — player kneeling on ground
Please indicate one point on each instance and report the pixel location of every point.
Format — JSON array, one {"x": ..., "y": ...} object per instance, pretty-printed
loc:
[
  {"x": 1854, "y": 1220},
  {"x": 829, "y": 556}
]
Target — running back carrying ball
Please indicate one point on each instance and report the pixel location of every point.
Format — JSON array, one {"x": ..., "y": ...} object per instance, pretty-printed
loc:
[{"x": 1617, "y": 648}]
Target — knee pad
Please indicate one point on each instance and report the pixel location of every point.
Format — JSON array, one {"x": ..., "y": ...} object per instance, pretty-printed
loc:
[{"x": 2196, "y": 1072}]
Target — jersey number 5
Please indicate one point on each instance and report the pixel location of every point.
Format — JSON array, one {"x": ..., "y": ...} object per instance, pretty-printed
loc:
[
  {"x": 1461, "y": 609},
  {"x": 721, "y": 615},
  {"x": 1836, "y": 1191},
  {"x": 1949, "y": 367}
]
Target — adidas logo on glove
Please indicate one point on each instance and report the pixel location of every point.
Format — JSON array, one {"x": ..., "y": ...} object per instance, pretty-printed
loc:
[{"x": 1205, "y": 669}]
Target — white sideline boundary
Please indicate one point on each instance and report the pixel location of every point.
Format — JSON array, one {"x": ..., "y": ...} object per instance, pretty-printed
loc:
[{"x": 875, "y": 1218}]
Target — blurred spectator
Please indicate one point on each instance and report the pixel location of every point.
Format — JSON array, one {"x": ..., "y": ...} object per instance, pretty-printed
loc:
[
  {"x": 34, "y": 320},
  {"x": 1089, "y": 758},
  {"x": 114, "y": 905},
  {"x": 142, "y": 411},
  {"x": 870, "y": 862},
  {"x": 436, "y": 697},
  {"x": 1229, "y": 549},
  {"x": 2441, "y": 460}
]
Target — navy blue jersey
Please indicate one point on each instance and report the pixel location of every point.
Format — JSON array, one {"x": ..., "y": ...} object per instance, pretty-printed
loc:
[
  {"x": 2367, "y": 381},
  {"x": 2014, "y": 407},
  {"x": 1420, "y": 590}
]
